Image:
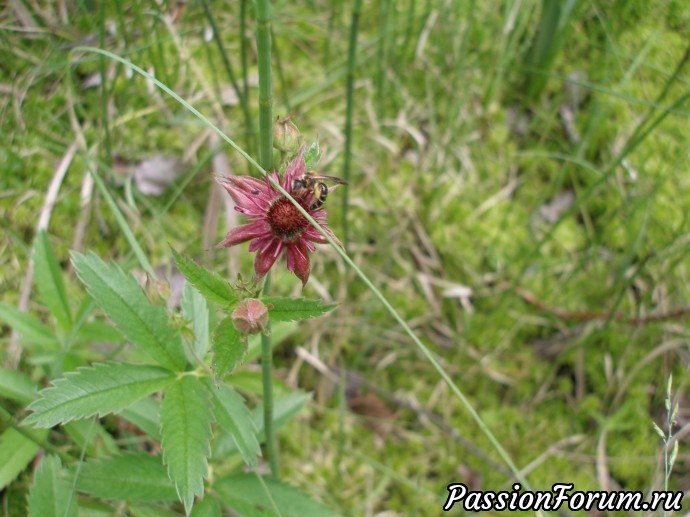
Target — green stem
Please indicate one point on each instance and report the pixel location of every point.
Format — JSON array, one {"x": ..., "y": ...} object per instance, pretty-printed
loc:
[
  {"x": 245, "y": 73},
  {"x": 263, "y": 46},
  {"x": 267, "y": 378},
  {"x": 351, "y": 62}
]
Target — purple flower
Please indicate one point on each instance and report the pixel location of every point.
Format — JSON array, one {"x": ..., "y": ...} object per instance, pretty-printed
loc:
[{"x": 275, "y": 223}]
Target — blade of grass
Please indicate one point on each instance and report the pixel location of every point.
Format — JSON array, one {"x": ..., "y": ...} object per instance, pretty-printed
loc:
[{"x": 121, "y": 222}]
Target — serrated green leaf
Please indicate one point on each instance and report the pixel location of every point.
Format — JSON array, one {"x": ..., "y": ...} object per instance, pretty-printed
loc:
[
  {"x": 16, "y": 451},
  {"x": 48, "y": 279},
  {"x": 252, "y": 497},
  {"x": 208, "y": 283},
  {"x": 312, "y": 155},
  {"x": 15, "y": 385},
  {"x": 32, "y": 330},
  {"x": 185, "y": 436},
  {"x": 235, "y": 419},
  {"x": 295, "y": 309},
  {"x": 145, "y": 414},
  {"x": 131, "y": 477},
  {"x": 229, "y": 347},
  {"x": 195, "y": 309},
  {"x": 120, "y": 296},
  {"x": 51, "y": 493},
  {"x": 100, "y": 389},
  {"x": 284, "y": 409},
  {"x": 207, "y": 507}
]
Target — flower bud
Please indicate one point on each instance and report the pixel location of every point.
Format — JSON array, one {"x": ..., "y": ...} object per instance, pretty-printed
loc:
[
  {"x": 250, "y": 316},
  {"x": 286, "y": 136}
]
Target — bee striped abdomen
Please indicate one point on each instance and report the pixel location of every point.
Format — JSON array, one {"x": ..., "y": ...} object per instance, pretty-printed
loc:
[{"x": 320, "y": 195}]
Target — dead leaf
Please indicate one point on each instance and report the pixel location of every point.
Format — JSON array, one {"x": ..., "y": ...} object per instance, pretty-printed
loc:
[
  {"x": 551, "y": 211},
  {"x": 153, "y": 175},
  {"x": 378, "y": 416}
]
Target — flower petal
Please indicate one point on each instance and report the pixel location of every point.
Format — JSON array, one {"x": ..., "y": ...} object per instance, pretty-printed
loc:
[
  {"x": 313, "y": 235},
  {"x": 243, "y": 234},
  {"x": 294, "y": 170},
  {"x": 266, "y": 257},
  {"x": 250, "y": 194},
  {"x": 298, "y": 260},
  {"x": 261, "y": 243}
]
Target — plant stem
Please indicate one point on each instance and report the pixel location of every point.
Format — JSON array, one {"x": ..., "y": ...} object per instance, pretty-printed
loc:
[
  {"x": 263, "y": 46},
  {"x": 351, "y": 62},
  {"x": 267, "y": 378},
  {"x": 245, "y": 73}
]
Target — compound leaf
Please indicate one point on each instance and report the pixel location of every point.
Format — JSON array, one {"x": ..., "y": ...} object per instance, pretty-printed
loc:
[
  {"x": 236, "y": 420},
  {"x": 214, "y": 287},
  {"x": 295, "y": 309},
  {"x": 120, "y": 296},
  {"x": 131, "y": 477},
  {"x": 50, "y": 496},
  {"x": 229, "y": 347},
  {"x": 186, "y": 419},
  {"x": 99, "y": 389},
  {"x": 247, "y": 494}
]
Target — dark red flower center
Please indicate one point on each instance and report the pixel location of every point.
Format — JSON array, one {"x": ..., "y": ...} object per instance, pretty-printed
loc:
[{"x": 285, "y": 220}]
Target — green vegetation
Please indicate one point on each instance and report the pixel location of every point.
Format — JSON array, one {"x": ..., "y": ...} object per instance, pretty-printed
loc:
[{"x": 517, "y": 192}]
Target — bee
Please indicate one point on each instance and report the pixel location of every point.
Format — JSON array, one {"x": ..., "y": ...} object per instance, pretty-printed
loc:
[{"x": 310, "y": 181}]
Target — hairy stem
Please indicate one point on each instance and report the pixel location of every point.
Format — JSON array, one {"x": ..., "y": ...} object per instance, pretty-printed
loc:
[
  {"x": 263, "y": 46},
  {"x": 351, "y": 62},
  {"x": 267, "y": 379}
]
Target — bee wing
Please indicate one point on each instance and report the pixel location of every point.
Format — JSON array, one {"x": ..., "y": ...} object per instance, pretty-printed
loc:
[{"x": 332, "y": 179}]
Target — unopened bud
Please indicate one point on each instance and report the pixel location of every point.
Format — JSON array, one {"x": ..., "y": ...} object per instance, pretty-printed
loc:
[
  {"x": 250, "y": 316},
  {"x": 286, "y": 136}
]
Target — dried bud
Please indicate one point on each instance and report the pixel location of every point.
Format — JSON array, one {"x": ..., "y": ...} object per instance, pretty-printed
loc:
[
  {"x": 286, "y": 136},
  {"x": 250, "y": 316}
]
